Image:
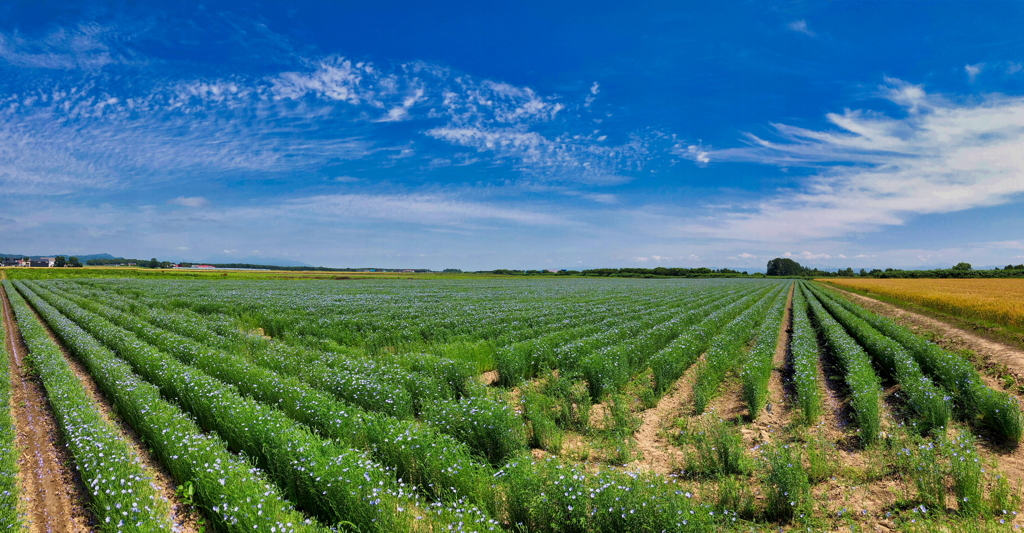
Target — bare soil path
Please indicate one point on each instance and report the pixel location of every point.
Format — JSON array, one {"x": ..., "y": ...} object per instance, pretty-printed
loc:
[
  {"x": 52, "y": 493},
  {"x": 660, "y": 455},
  {"x": 778, "y": 412}
]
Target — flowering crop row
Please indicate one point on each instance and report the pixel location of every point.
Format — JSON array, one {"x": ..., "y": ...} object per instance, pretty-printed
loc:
[
  {"x": 996, "y": 412},
  {"x": 757, "y": 369},
  {"x": 553, "y": 497},
  {"x": 425, "y": 314},
  {"x": 121, "y": 496},
  {"x": 420, "y": 455},
  {"x": 856, "y": 363},
  {"x": 726, "y": 351},
  {"x": 608, "y": 369},
  {"x": 567, "y": 348},
  {"x": 334, "y": 483},
  {"x": 669, "y": 364},
  {"x": 803, "y": 346},
  {"x": 9, "y": 518},
  {"x": 929, "y": 403},
  {"x": 490, "y": 429},
  {"x": 236, "y": 496}
]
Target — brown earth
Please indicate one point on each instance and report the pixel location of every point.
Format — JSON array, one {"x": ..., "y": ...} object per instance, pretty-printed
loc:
[
  {"x": 184, "y": 518},
  {"x": 52, "y": 494},
  {"x": 660, "y": 455},
  {"x": 778, "y": 412}
]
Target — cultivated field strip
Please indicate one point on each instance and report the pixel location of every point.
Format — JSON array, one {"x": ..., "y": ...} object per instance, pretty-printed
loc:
[
  {"x": 9, "y": 512},
  {"x": 274, "y": 374},
  {"x": 996, "y": 301},
  {"x": 434, "y": 463},
  {"x": 929, "y": 404},
  {"x": 236, "y": 496},
  {"x": 995, "y": 412},
  {"x": 121, "y": 495},
  {"x": 860, "y": 377},
  {"x": 364, "y": 403},
  {"x": 759, "y": 363},
  {"x": 335, "y": 483},
  {"x": 804, "y": 358},
  {"x": 728, "y": 346}
]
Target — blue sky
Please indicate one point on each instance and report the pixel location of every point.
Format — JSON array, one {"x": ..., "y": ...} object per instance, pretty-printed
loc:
[{"x": 482, "y": 135}]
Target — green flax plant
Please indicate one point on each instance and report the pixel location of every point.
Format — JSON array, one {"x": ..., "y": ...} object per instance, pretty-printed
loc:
[
  {"x": 121, "y": 496},
  {"x": 234, "y": 495}
]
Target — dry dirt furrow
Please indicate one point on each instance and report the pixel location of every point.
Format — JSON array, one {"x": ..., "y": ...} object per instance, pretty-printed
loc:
[
  {"x": 659, "y": 455},
  {"x": 778, "y": 412},
  {"x": 52, "y": 494},
  {"x": 184, "y": 518}
]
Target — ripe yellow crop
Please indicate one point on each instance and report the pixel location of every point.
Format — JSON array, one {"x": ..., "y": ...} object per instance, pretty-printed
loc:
[{"x": 994, "y": 300}]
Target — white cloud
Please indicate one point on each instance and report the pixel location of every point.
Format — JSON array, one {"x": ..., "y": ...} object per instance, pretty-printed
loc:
[
  {"x": 841, "y": 256},
  {"x": 424, "y": 209},
  {"x": 693, "y": 152},
  {"x": 745, "y": 255},
  {"x": 800, "y": 26},
  {"x": 974, "y": 70},
  {"x": 594, "y": 90},
  {"x": 1013, "y": 68},
  {"x": 230, "y": 251},
  {"x": 877, "y": 171},
  {"x": 807, "y": 255},
  {"x": 86, "y": 131},
  {"x": 182, "y": 248},
  {"x": 863, "y": 256},
  {"x": 641, "y": 259},
  {"x": 345, "y": 179},
  {"x": 81, "y": 47},
  {"x": 194, "y": 201}
]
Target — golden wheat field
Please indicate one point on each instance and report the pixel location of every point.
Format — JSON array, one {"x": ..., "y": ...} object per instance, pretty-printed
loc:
[{"x": 994, "y": 300}]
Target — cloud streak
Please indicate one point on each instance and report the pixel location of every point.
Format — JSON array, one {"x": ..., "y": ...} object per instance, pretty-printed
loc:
[
  {"x": 82, "y": 130},
  {"x": 877, "y": 171}
]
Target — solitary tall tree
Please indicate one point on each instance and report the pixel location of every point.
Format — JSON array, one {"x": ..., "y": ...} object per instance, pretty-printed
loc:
[
  {"x": 59, "y": 261},
  {"x": 781, "y": 266}
]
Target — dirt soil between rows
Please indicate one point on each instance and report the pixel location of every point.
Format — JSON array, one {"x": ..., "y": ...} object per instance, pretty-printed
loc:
[{"x": 52, "y": 494}]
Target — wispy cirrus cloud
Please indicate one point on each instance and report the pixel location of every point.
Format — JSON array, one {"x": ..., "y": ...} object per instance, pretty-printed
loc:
[
  {"x": 324, "y": 109},
  {"x": 420, "y": 209},
  {"x": 800, "y": 26},
  {"x": 190, "y": 201},
  {"x": 876, "y": 171},
  {"x": 77, "y": 47}
]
